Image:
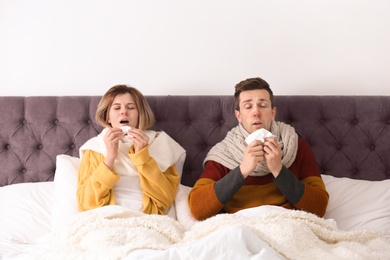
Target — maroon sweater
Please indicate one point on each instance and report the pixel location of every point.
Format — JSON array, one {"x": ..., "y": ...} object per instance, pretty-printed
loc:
[{"x": 220, "y": 189}]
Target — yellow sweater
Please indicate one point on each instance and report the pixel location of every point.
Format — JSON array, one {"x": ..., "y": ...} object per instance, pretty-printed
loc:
[{"x": 96, "y": 181}]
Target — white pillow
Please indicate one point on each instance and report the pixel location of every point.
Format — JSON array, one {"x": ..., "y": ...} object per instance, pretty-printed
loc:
[
  {"x": 358, "y": 204},
  {"x": 64, "y": 199},
  {"x": 25, "y": 210},
  {"x": 183, "y": 213},
  {"x": 180, "y": 164}
]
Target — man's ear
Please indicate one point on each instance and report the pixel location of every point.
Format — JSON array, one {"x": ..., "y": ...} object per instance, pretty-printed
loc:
[
  {"x": 238, "y": 115},
  {"x": 274, "y": 110}
]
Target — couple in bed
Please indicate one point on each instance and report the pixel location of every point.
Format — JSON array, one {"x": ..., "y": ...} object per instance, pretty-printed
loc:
[{"x": 260, "y": 161}]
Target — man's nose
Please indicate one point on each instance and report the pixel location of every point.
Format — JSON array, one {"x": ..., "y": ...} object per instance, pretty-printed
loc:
[{"x": 256, "y": 111}]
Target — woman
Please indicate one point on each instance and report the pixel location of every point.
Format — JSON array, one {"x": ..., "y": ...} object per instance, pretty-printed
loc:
[{"x": 126, "y": 164}]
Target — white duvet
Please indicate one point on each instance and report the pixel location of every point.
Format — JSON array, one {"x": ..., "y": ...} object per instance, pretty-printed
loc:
[
  {"x": 29, "y": 211},
  {"x": 113, "y": 232}
]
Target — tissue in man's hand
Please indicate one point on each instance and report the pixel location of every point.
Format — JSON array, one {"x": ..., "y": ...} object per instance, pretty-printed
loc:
[{"x": 260, "y": 134}]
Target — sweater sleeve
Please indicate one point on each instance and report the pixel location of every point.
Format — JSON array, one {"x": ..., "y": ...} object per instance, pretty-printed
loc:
[
  {"x": 307, "y": 190},
  {"x": 158, "y": 188},
  {"x": 289, "y": 185},
  {"x": 216, "y": 186},
  {"x": 226, "y": 187},
  {"x": 95, "y": 182}
]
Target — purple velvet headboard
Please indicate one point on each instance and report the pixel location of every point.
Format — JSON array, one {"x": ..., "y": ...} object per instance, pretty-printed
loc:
[{"x": 350, "y": 135}]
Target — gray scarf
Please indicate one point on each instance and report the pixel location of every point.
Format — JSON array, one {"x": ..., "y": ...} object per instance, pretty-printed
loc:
[{"x": 230, "y": 151}]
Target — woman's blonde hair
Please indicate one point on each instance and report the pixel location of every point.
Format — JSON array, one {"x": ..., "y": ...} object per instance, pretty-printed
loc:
[{"x": 145, "y": 114}]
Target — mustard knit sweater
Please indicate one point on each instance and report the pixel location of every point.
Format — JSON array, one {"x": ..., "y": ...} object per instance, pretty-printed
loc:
[{"x": 96, "y": 181}]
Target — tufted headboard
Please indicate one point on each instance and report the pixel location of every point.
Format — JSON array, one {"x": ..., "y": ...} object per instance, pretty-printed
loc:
[{"x": 350, "y": 135}]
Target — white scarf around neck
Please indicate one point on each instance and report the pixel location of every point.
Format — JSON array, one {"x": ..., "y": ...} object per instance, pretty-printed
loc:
[{"x": 164, "y": 150}]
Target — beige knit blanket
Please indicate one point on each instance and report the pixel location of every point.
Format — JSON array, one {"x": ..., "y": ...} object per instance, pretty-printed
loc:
[{"x": 292, "y": 234}]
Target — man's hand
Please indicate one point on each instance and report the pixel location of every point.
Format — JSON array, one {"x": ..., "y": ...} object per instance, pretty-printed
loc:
[
  {"x": 273, "y": 156},
  {"x": 253, "y": 155}
]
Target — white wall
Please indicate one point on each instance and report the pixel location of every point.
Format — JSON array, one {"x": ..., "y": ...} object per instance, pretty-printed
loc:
[{"x": 180, "y": 47}]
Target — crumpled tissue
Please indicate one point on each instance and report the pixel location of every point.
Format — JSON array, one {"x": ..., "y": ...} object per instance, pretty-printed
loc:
[
  {"x": 260, "y": 135},
  {"x": 125, "y": 129}
]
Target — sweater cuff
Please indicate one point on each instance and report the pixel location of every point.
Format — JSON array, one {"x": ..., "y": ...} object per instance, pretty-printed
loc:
[
  {"x": 141, "y": 157},
  {"x": 289, "y": 185},
  {"x": 105, "y": 176},
  {"x": 226, "y": 187}
]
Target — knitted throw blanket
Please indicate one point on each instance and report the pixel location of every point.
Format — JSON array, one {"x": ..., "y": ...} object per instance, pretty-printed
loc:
[
  {"x": 293, "y": 234},
  {"x": 230, "y": 151}
]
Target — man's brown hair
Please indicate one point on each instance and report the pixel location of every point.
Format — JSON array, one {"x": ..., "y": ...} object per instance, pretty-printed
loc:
[{"x": 251, "y": 84}]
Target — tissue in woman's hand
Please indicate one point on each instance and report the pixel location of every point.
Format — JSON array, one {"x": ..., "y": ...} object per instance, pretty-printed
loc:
[
  {"x": 125, "y": 130},
  {"x": 260, "y": 135}
]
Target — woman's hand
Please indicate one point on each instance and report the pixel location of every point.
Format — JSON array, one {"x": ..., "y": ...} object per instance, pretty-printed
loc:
[
  {"x": 111, "y": 140},
  {"x": 139, "y": 138}
]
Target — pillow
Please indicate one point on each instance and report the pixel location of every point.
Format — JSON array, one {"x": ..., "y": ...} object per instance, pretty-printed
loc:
[
  {"x": 65, "y": 184},
  {"x": 180, "y": 164},
  {"x": 358, "y": 204},
  {"x": 183, "y": 213},
  {"x": 25, "y": 210},
  {"x": 65, "y": 180}
]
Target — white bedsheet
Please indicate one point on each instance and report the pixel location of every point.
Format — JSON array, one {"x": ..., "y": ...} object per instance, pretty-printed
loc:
[
  {"x": 124, "y": 234},
  {"x": 10, "y": 247},
  {"x": 359, "y": 207},
  {"x": 265, "y": 232},
  {"x": 247, "y": 245}
]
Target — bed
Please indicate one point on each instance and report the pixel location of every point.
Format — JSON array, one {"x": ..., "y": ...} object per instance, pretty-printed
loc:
[{"x": 40, "y": 137}]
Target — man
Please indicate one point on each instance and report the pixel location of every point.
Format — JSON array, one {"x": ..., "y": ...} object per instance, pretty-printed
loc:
[{"x": 280, "y": 171}]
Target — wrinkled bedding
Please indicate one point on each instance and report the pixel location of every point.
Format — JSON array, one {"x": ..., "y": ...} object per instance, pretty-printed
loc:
[
  {"x": 266, "y": 232},
  {"x": 356, "y": 226}
]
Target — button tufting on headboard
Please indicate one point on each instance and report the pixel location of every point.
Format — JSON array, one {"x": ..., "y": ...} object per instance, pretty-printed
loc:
[{"x": 349, "y": 135}]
